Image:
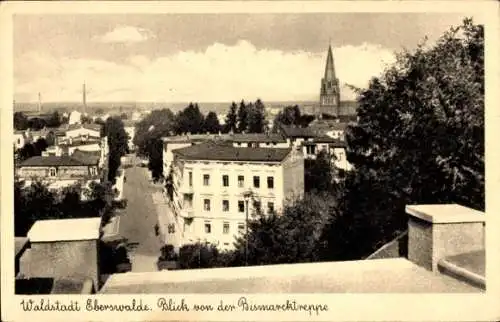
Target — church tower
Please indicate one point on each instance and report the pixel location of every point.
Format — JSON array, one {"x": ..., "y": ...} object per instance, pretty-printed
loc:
[{"x": 329, "y": 100}]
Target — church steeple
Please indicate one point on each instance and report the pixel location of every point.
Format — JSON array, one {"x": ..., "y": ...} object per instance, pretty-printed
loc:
[
  {"x": 330, "y": 67},
  {"x": 330, "y": 92}
]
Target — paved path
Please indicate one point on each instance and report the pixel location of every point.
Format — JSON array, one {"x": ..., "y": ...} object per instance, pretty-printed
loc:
[{"x": 138, "y": 219}]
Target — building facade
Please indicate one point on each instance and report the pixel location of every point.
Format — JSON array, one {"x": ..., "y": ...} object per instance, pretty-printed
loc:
[{"x": 215, "y": 184}]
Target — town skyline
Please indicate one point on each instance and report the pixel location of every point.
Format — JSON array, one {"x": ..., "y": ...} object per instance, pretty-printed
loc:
[{"x": 160, "y": 58}]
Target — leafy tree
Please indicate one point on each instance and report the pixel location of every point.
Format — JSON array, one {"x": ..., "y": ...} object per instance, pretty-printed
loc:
[
  {"x": 117, "y": 142},
  {"x": 256, "y": 119},
  {"x": 37, "y": 123},
  {"x": 27, "y": 151},
  {"x": 190, "y": 120},
  {"x": 198, "y": 255},
  {"x": 54, "y": 120},
  {"x": 290, "y": 115},
  {"x": 242, "y": 118},
  {"x": 291, "y": 237},
  {"x": 318, "y": 173},
  {"x": 231, "y": 119},
  {"x": 156, "y": 158},
  {"x": 33, "y": 203},
  {"x": 50, "y": 139},
  {"x": 211, "y": 124},
  {"x": 124, "y": 116},
  {"x": 20, "y": 121},
  {"x": 99, "y": 111},
  {"x": 40, "y": 145},
  {"x": 419, "y": 139}
]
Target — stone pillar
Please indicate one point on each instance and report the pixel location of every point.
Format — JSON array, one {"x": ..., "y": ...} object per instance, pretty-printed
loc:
[
  {"x": 63, "y": 249},
  {"x": 438, "y": 231}
]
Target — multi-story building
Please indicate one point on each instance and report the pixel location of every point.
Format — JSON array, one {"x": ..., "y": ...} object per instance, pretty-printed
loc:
[
  {"x": 60, "y": 171},
  {"x": 215, "y": 184}
]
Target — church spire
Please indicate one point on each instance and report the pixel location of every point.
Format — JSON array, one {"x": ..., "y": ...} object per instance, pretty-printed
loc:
[{"x": 330, "y": 67}]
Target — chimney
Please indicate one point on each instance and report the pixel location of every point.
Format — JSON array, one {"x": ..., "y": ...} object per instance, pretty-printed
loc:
[
  {"x": 39, "y": 103},
  {"x": 439, "y": 231}
]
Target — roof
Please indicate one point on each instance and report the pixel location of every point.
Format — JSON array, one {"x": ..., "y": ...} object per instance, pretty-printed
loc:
[
  {"x": 79, "y": 141},
  {"x": 297, "y": 132},
  {"x": 65, "y": 230},
  {"x": 53, "y": 161},
  {"x": 224, "y": 152},
  {"x": 87, "y": 157},
  {"x": 326, "y": 139},
  {"x": 395, "y": 275},
  {"x": 195, "y": 138},
  {"x": 329, "y": 125},
  {"x": 257, "y": 137},
  {"x": 92, "y": 126}
]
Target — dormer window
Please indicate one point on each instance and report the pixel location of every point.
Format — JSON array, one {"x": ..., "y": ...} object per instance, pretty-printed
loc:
[{"x": 52, "y": 172}]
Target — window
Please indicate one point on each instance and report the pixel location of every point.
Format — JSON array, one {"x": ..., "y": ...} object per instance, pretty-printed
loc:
[
  {"x": 270, "y": 182},
  {"x": 270, "y": 207},
  {"x": 206, "y": 179},
  {"x": 256, "y": 205},
  {"x": 190, "y": 174},
  {"x": 171, "y": 229},
  {"x": 225, "y": 205},
  {"x": 241, "y": 181},
  {"x": 310, "y": 149},
  {"x": 256, "y": 181},
  {"x": 225, "y": 228},
  {"x": 208, "y": 228},
  {"x": 225, "y": 180},
  {"x": 206, "y": 204},
  {"x": 340, "y": 156},
  {"x": 52, "y": 172},
  {"x": 241, "y": 206},
  {"x": 241, "y": 227}
]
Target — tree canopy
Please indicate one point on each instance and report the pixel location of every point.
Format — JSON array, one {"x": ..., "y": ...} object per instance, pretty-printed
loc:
[
  {"x": 211, "y": 124},
  {"x": 419, "y": 139},
  {"x": 117, "y": 142}
]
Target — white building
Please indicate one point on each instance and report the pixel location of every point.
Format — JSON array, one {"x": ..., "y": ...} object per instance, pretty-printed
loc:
[
  {"x": 75, "y": 117},
  {"x": 210, "y": 181}
]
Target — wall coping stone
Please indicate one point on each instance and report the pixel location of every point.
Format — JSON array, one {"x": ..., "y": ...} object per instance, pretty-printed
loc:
[{"x": 445, "y": 213}]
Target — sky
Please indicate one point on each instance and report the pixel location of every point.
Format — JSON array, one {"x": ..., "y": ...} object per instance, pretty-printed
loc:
[{"x": 208, "y": 57}]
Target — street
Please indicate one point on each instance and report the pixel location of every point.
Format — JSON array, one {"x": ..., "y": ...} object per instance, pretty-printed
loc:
[{"x": 138, "y": 219}]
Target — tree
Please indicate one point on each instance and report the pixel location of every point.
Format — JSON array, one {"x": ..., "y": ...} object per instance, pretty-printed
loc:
[
  {"x": 211, "y": 123},
  {"x": 33, "y": 203},
  {"x": 294, "y": 236},
  {"x": 54, "y": 120},
  {"x": 256, "y": 119},
  {"x": 231, "y": 119},
  {"x": 290, "y": 115},
  {"x": 40, "y": 145},
  {"x": 50, "y": 139},
  {"x": 318, "y": 173},
  {"x": 20, "y": 121},
  {"x": 156, "y": 158},
  {"x": 37, "y": 123},
  {"x": 27, "y": 151},
  {"x": 419, "y": 139},
  {"x": 190, "y": 120},
  {"x": 124, "y": 116},
  {"x": 242, "y": 118},
  {"x": 199, "y": 255},
  {"x": 117, "y": 142}
]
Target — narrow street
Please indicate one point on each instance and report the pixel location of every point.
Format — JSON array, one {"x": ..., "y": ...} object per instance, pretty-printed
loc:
[{"x": 138, "y": 219}]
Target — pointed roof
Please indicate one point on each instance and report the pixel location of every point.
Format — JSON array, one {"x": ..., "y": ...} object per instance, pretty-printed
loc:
[{"x": 330, "y": 67}]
